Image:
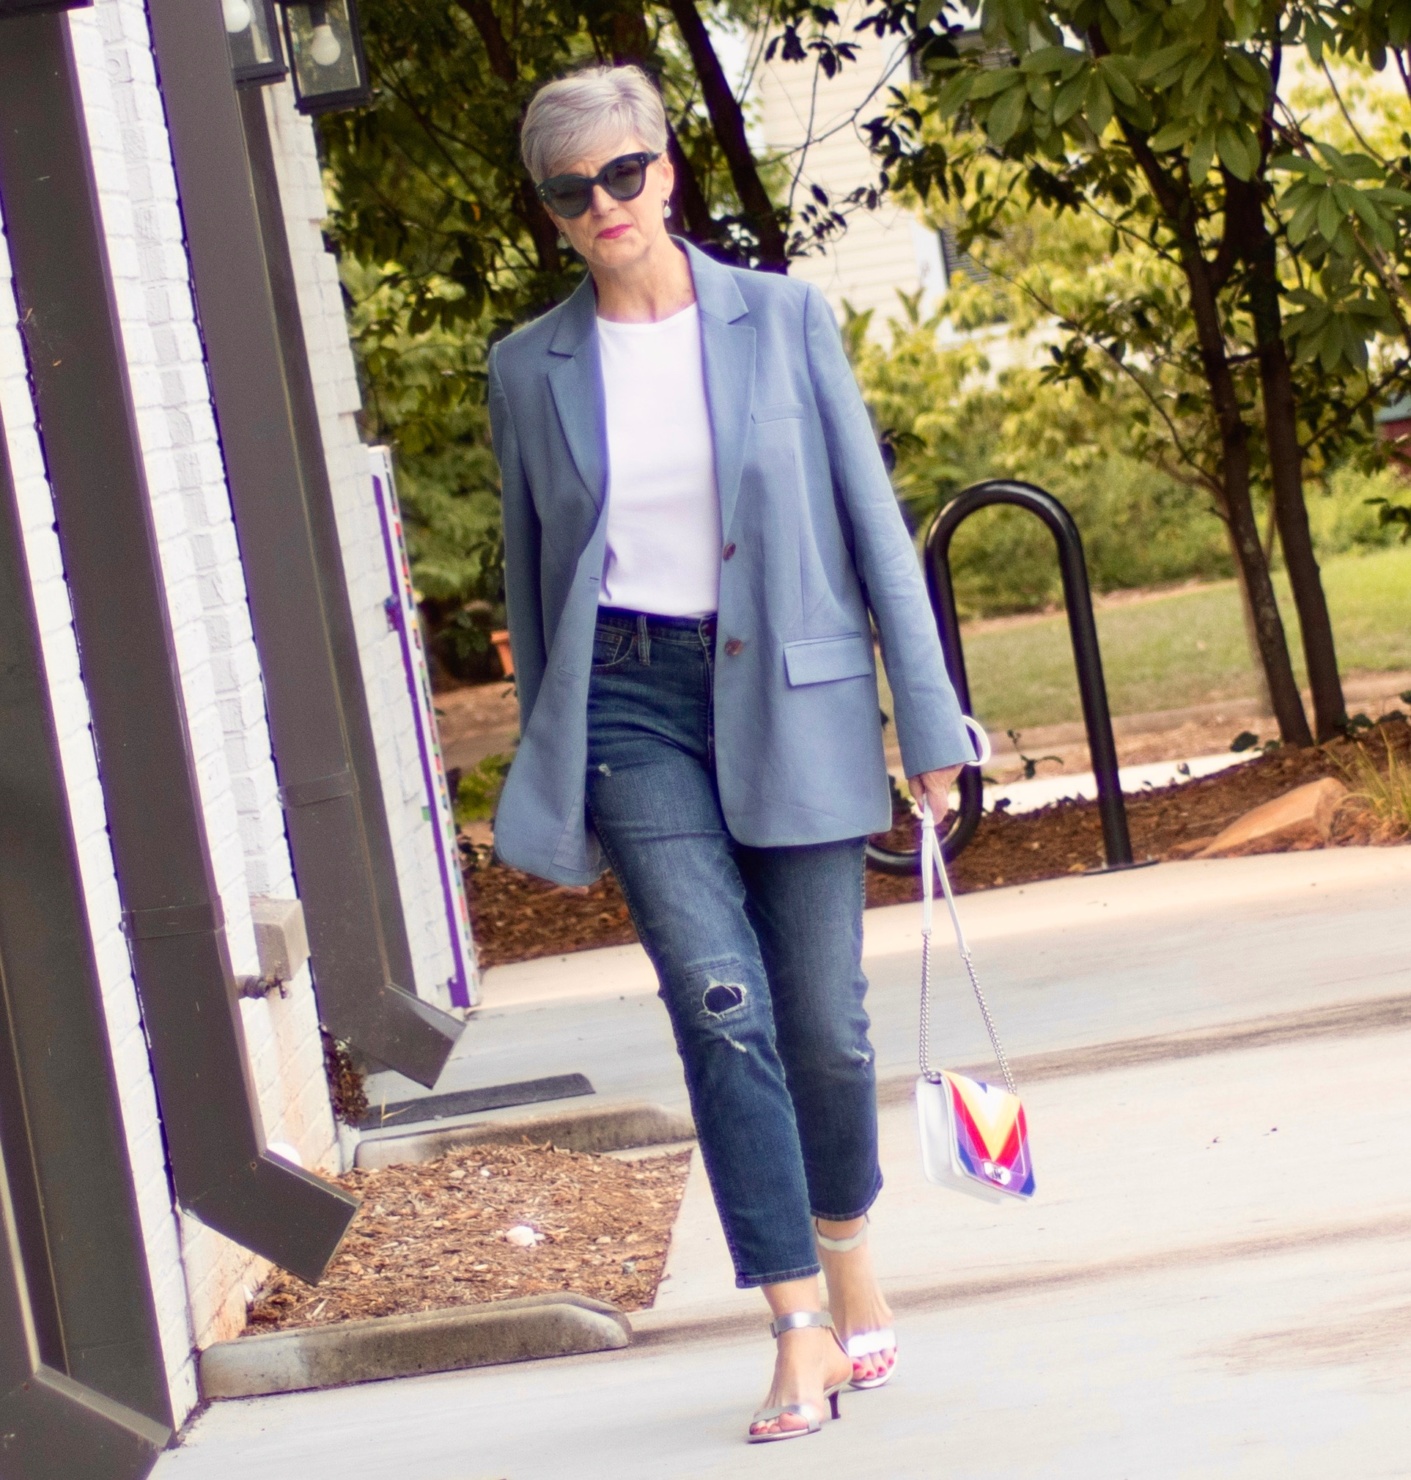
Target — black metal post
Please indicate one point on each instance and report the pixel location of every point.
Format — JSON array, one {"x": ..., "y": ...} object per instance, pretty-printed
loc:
[
  {"x": 358, "y": 1000},
  {"x": 323, "y": 525},
  {"x": 1082, "y": 628},
  {"x": 75, "y": 1295},
  {"x": 215, "y": 1141}
]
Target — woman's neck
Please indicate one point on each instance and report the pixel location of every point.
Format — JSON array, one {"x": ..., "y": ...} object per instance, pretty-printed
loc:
[{"x": 654, "y": 287}]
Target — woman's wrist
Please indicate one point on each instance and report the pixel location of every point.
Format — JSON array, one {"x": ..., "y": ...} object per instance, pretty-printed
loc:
[{"x": 935, "y": 786}]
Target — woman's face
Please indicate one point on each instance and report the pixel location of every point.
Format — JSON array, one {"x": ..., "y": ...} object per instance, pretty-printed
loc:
[{"x": 613, "y": 235}]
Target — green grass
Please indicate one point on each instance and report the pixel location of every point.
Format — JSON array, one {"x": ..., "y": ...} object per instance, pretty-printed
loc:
[{"x": 1187, "y": 648}]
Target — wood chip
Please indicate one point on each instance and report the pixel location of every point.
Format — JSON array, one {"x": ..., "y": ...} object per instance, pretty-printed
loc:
[{"x": 421, "y": 1242}]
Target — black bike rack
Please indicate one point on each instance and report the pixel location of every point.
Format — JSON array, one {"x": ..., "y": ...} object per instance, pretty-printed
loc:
[{"x": 1077, "y": 596}]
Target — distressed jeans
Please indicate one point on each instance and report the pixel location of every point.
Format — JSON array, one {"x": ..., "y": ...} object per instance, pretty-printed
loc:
[{"x": 758, "y": 952}]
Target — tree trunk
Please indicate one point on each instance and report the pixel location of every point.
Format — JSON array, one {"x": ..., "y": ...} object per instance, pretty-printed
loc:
[
  {"x": 1286, "y": 467},
  {"x": 728, "y": 122},
  {"x": 628, "y": 36},
  {"x": 528, "y": 207},
  {"x": 690, "y": 214},
  {"x": 1239, "y": 508},
  {"x": 1177, "y": 209}
]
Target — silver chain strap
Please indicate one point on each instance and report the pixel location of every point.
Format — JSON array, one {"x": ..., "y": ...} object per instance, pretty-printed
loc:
[{"x": 933, "y": 866}]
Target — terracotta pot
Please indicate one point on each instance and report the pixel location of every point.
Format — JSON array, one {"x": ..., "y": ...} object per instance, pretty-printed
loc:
[{"x": 502, "y": 647}]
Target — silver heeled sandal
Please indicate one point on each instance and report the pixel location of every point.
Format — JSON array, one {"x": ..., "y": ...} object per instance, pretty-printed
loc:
[
  {"x": 862, "y": 1343},
  {"x": 806, "y": 1411}
]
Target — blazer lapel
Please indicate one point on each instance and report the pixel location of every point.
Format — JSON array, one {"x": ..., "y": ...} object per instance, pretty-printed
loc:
[
  {"x": 728, "y": 347},
  {"x": 575, "y": 381}
]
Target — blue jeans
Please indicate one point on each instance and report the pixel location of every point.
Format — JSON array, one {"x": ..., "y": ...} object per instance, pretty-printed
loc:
[{"x": 758, "y": 952}]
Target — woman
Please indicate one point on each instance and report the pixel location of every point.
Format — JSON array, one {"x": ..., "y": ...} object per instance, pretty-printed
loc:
[{"x": 697, "y": 521}]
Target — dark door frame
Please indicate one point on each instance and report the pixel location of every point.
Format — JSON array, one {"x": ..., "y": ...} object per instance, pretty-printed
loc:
[
  {"x": 290, "y": 602},
  {"x": 83, "y": 1385},
  {"x": 323, "y": 525},
  {"x": 215, "y": 1142}
]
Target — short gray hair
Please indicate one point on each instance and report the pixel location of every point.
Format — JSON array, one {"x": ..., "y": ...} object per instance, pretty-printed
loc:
[{"x": 590, "y": 109}]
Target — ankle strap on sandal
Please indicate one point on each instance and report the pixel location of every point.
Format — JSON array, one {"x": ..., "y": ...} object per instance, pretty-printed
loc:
[
  {"x": 841, "y": 1245},
  {"x": 798, "y": 1319}
]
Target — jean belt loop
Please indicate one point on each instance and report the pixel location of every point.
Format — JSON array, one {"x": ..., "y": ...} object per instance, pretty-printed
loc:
[{"x": 644, "y": 639}]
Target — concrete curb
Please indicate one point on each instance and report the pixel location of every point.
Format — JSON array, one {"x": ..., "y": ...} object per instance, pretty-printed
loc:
[
  {"x": 538, "y": 1326},
  {"x": 598, "y": 1128}
]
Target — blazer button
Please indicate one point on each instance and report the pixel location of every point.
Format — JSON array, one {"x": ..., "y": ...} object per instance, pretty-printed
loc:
[
  {"x": 734, "y": 648},
  {"x": 728, "y": 551}
]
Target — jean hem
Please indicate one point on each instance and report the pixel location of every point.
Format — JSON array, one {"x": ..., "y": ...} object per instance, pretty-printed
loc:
[
  {"x": 861, "y": 1212},
  {"x": 753, "y": 1281}
]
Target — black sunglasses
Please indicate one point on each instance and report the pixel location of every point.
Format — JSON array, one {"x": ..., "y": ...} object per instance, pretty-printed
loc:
[{"x": 624, "y": 178}]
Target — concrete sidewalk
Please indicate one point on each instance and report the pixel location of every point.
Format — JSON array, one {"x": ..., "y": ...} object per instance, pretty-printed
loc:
[
  {"x": 1213, "y": 1279},
  {"x": 1071, "y": 962}
]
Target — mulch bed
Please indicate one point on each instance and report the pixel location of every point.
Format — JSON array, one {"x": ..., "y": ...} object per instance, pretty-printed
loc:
[
  {"x": 433, "y": 1235},
  {"x": 517, "y": 917}
]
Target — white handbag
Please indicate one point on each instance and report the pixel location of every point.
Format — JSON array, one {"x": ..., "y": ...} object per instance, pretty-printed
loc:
[{"x": 974, "y": 1135}]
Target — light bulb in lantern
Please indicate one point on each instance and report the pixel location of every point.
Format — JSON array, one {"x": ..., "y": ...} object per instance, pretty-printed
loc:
[
  {"x": 324, "y": 48},
  {"x": 237, "y": 15}
]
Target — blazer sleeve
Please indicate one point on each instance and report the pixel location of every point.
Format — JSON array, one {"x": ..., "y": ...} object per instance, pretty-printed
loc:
[
  {"x": 523, "y": 604},
  {"x": 928, "y": 722}
]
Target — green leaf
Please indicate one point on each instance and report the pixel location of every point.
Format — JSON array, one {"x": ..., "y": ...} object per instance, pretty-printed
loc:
[
  {"x": 1202, "y": 153},
  {"x": 1069, "y": 98},
  {"x": 991, "y": 84},
  {"x": 1003, "y": 120},
  {"x": 1239, "y": 152},
  {"x": 927, "y": 11},
  {"x": 1329, "y": 217},
  {"x": 1099, "y": 104},
  {"x": 1305, "y": 218},
  {"x": 1372, "y": 219},
  {"x": 955, "y": 94},
  {"x": 1048, "y": 59},
  {"x": 1159, "y": 61},
  {"x": 1117, "y": 81},
  {"x": 1172, "y": 135},
  {"x": 1295, "y": 163}
]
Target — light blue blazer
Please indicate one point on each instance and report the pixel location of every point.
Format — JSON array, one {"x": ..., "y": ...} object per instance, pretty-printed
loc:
[{"x": 817, "y": 540}]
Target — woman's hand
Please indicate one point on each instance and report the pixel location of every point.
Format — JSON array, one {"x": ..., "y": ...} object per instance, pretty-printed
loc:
[{"x": 936, "y": 785}]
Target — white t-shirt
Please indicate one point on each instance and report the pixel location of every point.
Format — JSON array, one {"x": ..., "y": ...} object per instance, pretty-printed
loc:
[{"x": 663, "y": 534}]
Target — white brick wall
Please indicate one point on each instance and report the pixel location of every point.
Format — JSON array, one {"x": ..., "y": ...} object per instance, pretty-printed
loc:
[
  {"x": 80, "y": 765},
  {"x": 208, "y": 603},
  {"x": 201, "y": 1280},
  {"x": 369, "y": 585}
]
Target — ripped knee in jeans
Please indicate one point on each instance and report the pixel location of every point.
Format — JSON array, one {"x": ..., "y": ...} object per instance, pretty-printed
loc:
[
  {"x": 720, "y": 998},
  {"x": 716, "y": 997}
]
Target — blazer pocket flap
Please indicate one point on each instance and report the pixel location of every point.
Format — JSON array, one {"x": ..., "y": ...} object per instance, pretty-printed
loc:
[
  {"x": 823, "y": 659},
  {"x": 782, "y": 412}
]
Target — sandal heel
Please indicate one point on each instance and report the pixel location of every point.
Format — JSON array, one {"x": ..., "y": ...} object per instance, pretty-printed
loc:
[{"x": 806, "y": 1411}]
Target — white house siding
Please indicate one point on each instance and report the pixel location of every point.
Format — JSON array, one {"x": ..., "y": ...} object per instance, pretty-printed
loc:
[
  {"x": 410, "y": 810},
  {"x": 882, "y": 250}
]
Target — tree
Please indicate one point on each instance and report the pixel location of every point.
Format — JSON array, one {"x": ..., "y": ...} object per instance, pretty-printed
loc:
[{"x": 1163, "y": 122}]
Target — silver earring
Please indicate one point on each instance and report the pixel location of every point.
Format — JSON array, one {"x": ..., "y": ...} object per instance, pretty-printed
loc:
[{"x": 666, "y": 208}]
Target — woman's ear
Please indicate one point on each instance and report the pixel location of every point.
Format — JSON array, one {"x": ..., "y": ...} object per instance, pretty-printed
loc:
[{"x": 668, "y": 171}]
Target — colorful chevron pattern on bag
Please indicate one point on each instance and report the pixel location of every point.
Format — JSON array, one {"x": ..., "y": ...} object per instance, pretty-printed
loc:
[{"x": 990, "y": 1136}]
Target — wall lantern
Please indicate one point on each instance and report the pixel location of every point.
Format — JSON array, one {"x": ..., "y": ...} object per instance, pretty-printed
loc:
[
  {"x": 326, "y": 53},
  {"x": 253, "y": 33}
]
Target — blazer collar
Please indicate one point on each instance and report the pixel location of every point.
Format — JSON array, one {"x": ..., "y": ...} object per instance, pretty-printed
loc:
[
  {"x": 716, "y": 295},
  {"x": 728, "y": 348}
]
